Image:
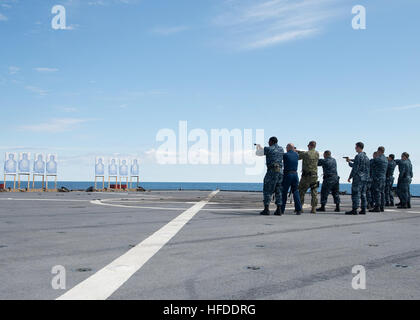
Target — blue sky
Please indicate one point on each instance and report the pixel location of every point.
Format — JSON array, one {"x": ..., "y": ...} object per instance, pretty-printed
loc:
[{"x": 124, "y": 69}]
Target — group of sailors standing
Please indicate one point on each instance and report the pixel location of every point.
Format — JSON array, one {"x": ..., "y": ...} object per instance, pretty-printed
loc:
[{"x": 372, "y": 179}]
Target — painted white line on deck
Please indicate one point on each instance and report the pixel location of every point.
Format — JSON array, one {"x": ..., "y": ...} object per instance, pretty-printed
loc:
[
  {"x": 53, "y": 200},
  {"x": 106, "y": 281}
]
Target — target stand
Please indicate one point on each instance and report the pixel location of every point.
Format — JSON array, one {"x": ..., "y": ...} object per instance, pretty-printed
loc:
[
  {"x": 33, "y": 180},
  {"x": 126, "y": 182},
  {"x": 103, "y": 182},
  {"x": 14, "y": 180},
  {"x": 109, "y": 182},
  {"x": 131, "y": 181},
  {"x": 46, "y": 181},
  {"x": 29, "y": 179}
]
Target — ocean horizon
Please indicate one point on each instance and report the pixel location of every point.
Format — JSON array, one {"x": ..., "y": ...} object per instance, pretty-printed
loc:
[{"x": 224, "y": 186}]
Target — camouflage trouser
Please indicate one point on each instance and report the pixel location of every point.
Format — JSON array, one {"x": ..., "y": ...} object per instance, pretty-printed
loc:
[
  {"x": 389, "y": 197},
  {"x": 305, "y": 183},
  {"x": 403, "y": 191},
  {"x": 369, "y": 193},
  {"x": 358, "y": 193},
  {"x": 272, "y": 184},
  {"x": 332, "y": 185},
  {"x": 378, "y": 190}
]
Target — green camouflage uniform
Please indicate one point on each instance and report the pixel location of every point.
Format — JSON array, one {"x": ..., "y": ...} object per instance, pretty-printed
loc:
[{"x": 309, "y": 176}]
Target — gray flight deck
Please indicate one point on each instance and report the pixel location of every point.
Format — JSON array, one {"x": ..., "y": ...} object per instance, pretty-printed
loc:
[{"x": 226, "y": 251}]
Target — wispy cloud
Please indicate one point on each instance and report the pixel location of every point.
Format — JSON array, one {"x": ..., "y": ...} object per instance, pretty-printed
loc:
[
  {"x": 13, "y": 70},
  {"x": 46, "y": 69},
  {"x": 37, "y": 90},
  {"x": 3, "y": 17},
  {"x": 55, "y": 125},
  {"x": 262, "y": 23},
  {"x": 166, "y": 31},
  {"x": 413, "y": 106}
]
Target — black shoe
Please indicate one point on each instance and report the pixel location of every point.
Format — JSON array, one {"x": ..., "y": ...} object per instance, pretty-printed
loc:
[
  {"x": 391, "y": 204},
  {"x": 398, "y": 204},
  {"x": 337, "y": 208},
  {"x": 278, "y": 211},
  {"x": 298, "y": 213},
  {"x": 387, "y": 204},
  {"x": 376, "y": 209},
  {"x": 363, "y": 211},
  {"x": 352, "y": 212},
  {"x": 409, "y": 205},
  {"x": 402, "y": 206},
  {"x": 321, "y": 209},
  {"x": 265, "y": 212},
  {"x": 382, "y": 209}
]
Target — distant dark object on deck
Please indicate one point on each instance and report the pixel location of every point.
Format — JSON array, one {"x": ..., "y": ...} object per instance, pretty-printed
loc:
[{"x": 63, "y": 189}]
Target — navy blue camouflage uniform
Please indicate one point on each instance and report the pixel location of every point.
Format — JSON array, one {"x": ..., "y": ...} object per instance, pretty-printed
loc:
[
  {"x": 360, "y": 175},
  {"x": 369, "y": 189},
  {"x": 380, "y": 167},
  {"x": 274, "y": 176},
  {"x": 331, "y": 182},
  {"x": 404, "y": 180},
  {"x": 389, "y": 197}
]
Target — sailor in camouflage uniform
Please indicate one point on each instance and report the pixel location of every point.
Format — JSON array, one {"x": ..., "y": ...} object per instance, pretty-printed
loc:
[
  {"x": 404, "y": 180},
  {"x": 274, "y": 176},
  {"x": 360, "y": 175},
  {"x": 411, "y": 179},
  {"x": 331, "y": 182},
  {"x": 389, "y": 197},
  {"x": 369, "y": 189},
  {"x": 309, "y": 177},
  {"x": 380, "y": 167}
]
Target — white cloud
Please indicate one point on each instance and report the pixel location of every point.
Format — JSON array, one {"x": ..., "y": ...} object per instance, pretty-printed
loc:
[
  {"x": 55, "y": 125},
  {"x": 3, "y": 17},
  {"x": 46, "y": 69},
  {"x": 166, "y": 31},
  {"x": 260, "y": 23},
  {"x": 37, "y": 90},
  {"x": 13, "y": 70},
  {"x": 413, "y": 106}
]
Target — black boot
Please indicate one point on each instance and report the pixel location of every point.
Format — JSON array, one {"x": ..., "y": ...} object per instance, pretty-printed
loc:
[
  {"x": 375, "y": 209},
  {"x": 391, "y": 204},
  {"x": 278, "y": 211},
  {"x": 402, "y": 206},
  {"x": 382, "y": 209},
  {"x": 266, "y": 211},
  {"x": 363, "y": 211},
  {"x": 337, "y": 207},
  {"x": 352, "y": 212},
  {"x": 321, "y": 209},
  {"x": 409, "y": 205}
]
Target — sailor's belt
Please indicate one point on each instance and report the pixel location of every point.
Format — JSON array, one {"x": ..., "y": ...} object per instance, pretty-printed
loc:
[{"x": 308, "y": 173}]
